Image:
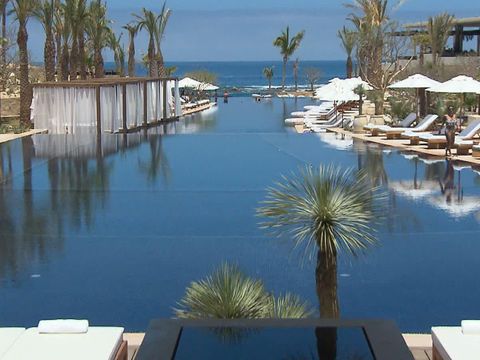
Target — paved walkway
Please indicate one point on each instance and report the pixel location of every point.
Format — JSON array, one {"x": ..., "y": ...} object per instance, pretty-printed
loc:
[
  {"x": 405, "y": 145},
  {"x": 9, "y": 137}
]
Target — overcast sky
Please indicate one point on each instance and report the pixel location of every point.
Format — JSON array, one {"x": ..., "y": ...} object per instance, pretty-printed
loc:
[{"x": 206, "y": 30}]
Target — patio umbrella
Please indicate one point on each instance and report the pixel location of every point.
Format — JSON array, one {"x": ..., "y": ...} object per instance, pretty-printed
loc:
[
  {"x": 457, "y": 207},
  {"x": 418, "y": 82},
  {"x": 187, "y": 82},
  {"x": 458, "y": 85},
  {"x": 336, "y": 141}
]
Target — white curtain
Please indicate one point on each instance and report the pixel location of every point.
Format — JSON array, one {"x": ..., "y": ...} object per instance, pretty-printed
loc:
[
  {"x": 170, "y": 105},
  {"x": 178, "y": 103}
]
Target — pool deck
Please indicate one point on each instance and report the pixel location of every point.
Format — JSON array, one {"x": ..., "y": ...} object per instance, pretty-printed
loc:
[
  {"x": 420, "y": 344},
  {"x": 405, "y": 145},
  {"x": 9, "y": 137}
]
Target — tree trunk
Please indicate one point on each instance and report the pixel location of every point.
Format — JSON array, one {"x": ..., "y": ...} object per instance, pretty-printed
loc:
[
  {"x": 284, "y": 71},
  {"x": 49, "y": 56},
  {"x": 160, "y": 64},
  {"x": 269, "y": 84},
  {"x": 349, "y": 67},
  {"x": 421, "y": 56},
  {"x": 131, "y": 58},
  {"x": 4, "y": 31},
  {"x": 64, "y": 61},
  {"x": 74, "y": 58},
  {"x": 58, "y": 47},
  {"x": 82, "y": 54},
  {"x": 326, "y": 284},
  {"x": 151, "y": 57},
  {"x": 99, "y": 65},
  {"x": 25, "y": 89}
]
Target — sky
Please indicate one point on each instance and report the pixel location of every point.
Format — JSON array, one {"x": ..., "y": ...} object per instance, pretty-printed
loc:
[{"x": 243, "y": 30}]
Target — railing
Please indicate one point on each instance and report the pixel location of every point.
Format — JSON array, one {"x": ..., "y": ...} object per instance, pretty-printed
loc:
[{"x": 105, "y": 105}]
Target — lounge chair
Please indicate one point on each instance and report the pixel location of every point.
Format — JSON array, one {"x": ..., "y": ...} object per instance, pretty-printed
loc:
[
  {"x": 452, "y": 343},
  {"x": 375, "y": 130},
  {"x": 422, "y": 126},
  {"x": 8, "y": 337},
  {"x": 336, "y": 122},
  {"x": 462, "y": 141},
  {"x": 476, "y": 151},
  {"x": 98, "y": 343}
]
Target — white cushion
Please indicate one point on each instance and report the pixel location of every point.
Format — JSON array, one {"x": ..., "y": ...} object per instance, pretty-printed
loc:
[
  {"x": 452, "y": 344},
  {"x": 8, "y": 336},
  {"x": 99, "y": 343}
]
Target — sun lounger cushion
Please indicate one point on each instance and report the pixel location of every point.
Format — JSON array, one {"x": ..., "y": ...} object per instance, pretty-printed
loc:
[
  {"x": 8, "y": 336},
  {"x": 452, "y": 344},
  {"x": 99, "y": 343}
]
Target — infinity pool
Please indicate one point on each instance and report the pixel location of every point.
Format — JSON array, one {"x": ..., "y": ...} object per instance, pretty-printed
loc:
[{"x": 114, "y": 230}]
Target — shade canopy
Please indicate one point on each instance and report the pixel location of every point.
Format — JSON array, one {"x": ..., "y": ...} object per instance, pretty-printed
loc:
[
  {"x": 414, "y": 189},
  {"x": 341, "y": 89},
  {"x": 417, "y": 81},
  {"x": 187, "y": 82},
  {"x": 457, "y": 207},
  {"x": 458, "y": 85}
]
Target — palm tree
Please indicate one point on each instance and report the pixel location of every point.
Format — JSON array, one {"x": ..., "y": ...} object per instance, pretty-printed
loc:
[
  {"x": 45, "y": 14},
  {"x": 81, "y": 19},
  {"x": 114, "y": 43},
  {"x": 132, "y": 32},
  {"x": 268, "y": 73},
  {"x": 161, "y": 24},
  {"x": 65, "y": 53},
  {"x": 3, "y": 9},
  {"x": 230, "y": 294},
  {"x": 438, "y": 30},
  {"x": 348, "y": 38},
  {"x": 97, "y": 28},
  {"x": 148, "y": 21},
  {"x": 23, "y": 10},
  {"x": 287, "y": 47},
  {"x": 295, "y": 73},
  {"x": 58, "y": 33}
]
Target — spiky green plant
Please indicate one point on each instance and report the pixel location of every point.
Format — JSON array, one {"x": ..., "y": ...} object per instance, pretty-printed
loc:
[
  {"x": 289, "y": 306},
  {"x": 230, "y": 294},
  {"x": 327, "y": 209}
]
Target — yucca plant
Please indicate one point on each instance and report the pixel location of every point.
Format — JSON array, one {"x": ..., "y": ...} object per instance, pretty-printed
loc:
[
  {"x": 230, "y": 294},
  {"x": 327, "y": 209}
]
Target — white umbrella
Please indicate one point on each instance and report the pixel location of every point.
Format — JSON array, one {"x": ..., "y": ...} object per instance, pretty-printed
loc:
[
  {"x": 187, "y": 82},
  {"x": 414, "y": 190},
  {"x": 341, "y": 89},
  {"x": 457, "y": 208},
  {"x": 458, "y": 85},
  {"x": 417, "y": 81},
  {"x": 336, "y": 141}
]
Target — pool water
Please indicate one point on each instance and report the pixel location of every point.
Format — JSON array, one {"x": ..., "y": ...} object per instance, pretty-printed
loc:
[{"x": 114, "y": 230}]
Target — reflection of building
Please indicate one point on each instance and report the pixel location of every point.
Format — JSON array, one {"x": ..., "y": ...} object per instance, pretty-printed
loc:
[{"x": 463, "y": 29}]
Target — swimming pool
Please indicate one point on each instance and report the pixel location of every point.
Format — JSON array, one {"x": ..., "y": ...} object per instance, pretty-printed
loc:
[{"x": 114, "y": 231}]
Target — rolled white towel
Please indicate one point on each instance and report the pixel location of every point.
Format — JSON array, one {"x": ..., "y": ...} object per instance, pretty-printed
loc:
[
  {"x": 63, "y": 326},
  {"x": 471, "y": 327}
]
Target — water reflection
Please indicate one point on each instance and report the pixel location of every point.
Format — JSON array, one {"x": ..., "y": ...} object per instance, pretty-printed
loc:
[{"x": 77, "y": 174}]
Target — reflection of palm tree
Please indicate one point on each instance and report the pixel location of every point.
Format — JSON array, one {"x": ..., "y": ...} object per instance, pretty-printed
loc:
[
  {"x": 331, "y": 210},
  {"x": 158, "y": 161}
]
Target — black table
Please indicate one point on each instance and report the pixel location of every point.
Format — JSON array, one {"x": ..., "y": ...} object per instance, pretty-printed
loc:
[{"x": 273, "y": 339}]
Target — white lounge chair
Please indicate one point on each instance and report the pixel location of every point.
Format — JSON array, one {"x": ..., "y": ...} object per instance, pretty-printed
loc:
[
  {"x": 98, "y": 343},
  {"x": 375, "y": 130},
  {"x": 463, "y": 139},
  {"x": 8, "y": 337},
  {"x": 422, "y": 126},
  {"x": 450, "y": 343}
]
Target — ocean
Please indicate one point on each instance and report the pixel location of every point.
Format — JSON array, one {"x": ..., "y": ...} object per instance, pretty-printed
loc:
[{"x": 247, "y": 76}]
